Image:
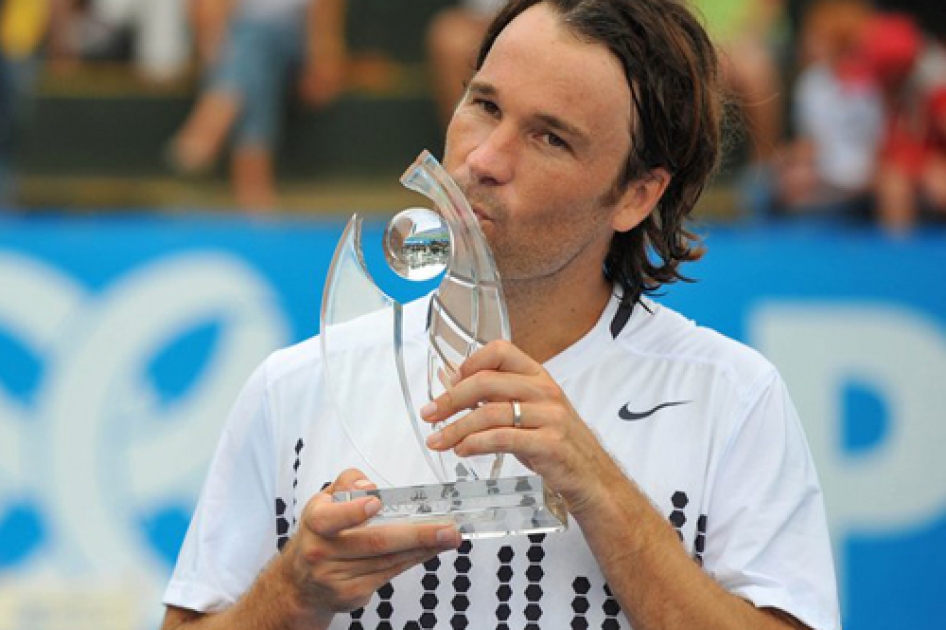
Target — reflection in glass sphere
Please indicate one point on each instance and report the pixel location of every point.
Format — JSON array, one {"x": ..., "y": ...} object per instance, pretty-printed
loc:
[{"x": 417, "y": 244}]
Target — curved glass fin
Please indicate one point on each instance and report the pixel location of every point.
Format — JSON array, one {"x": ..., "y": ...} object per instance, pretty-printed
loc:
[
  {"x": 467, "y": 310},
  {"x": 366, "y": 370}
]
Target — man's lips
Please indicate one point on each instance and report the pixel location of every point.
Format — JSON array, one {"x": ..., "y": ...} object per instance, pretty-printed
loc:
[{"x": 480, "y": 215}]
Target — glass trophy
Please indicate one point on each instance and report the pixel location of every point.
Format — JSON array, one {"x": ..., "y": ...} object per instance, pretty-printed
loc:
[{"x": 383, "y": 360}]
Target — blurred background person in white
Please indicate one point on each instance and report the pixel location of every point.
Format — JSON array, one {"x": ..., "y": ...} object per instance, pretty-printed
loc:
[
  {"x": 828, "y": 169},
  {"x": 155, "y": 29}
]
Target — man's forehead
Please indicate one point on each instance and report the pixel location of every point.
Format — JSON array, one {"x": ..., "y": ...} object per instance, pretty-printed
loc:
[{"x": 540, "y": 50}]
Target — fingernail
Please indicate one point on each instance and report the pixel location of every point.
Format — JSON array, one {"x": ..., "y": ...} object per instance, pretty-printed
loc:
[
  {"x": 429, "y": 409},
  {"x": 372, "y": 507},
  {"x": 363, "y": 484},
  {"x": 435, "y": 439},
  {"x": 447, "y": 535}
]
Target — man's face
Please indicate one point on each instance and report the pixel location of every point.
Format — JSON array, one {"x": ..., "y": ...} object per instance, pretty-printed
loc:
[{"x": 537, "y": 145}]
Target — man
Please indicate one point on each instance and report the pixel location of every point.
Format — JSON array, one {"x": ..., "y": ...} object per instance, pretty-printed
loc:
[{"x": 583, "y": 142}]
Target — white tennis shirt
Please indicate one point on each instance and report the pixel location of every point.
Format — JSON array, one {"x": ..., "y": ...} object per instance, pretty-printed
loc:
[{"x": 703, "y": 424}]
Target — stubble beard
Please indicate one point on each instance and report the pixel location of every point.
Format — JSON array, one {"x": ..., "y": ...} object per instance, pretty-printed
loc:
[
  {"x": 522, "y": 267},
  {"x": 496, "y": 230}
]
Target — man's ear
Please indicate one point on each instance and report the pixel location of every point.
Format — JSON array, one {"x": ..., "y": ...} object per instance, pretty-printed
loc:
[{"x": 640, "y": 199}]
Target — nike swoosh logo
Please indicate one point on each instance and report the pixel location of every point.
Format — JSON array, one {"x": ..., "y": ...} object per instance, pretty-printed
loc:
[{"x": 627, "y": 414}]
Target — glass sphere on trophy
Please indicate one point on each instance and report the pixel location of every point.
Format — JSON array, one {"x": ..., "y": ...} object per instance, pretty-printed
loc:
[{"x": 384, "y": 360}]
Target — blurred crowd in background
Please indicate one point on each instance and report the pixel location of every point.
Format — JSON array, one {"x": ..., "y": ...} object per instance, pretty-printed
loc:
[{"x": 838, "y": 107}]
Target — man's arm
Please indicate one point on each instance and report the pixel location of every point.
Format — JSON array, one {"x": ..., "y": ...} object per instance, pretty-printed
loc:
[
  {"x": 332, "y": 564},
  {"x": 326, "y": 65},
  {"x": 657, "y": 584},
  {"x": 270, "y": 604},
  {"x": 650, "y": 573}
]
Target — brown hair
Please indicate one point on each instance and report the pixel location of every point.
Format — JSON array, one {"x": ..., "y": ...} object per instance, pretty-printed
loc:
[{"x": 671, "y": 69}]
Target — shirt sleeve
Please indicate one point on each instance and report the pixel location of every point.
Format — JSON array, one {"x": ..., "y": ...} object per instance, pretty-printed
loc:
[
  {"x": 767, "y": 537},
  {"x": 232, "y": 534}
]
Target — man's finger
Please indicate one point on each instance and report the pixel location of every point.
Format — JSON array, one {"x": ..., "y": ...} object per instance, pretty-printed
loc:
[
  {"x": 492, "y": 415},
  {"x": 408, "y": 561},
  {"x": 499, "y": 356},
  {"x": 390, "y": 565},
  {"x": 327, "y": 517},
  {"x": 349, "y": 479},
  {"x": 384, "y": 540},
  {"x": 470, "y": 392}
]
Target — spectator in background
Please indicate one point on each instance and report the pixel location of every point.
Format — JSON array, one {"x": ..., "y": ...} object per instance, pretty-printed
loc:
[
  {"x": 453, "y": 39},
  {"x": 746, "y": 32},
  {"x": 152, "y": 33},
  {"x": 254, "y": 48},
  {"x": 911, "y": 73},
  {"x": 931, "y": 14},
  {"x": 827, "y": 171},
  {"x": 23, "y": 25}
]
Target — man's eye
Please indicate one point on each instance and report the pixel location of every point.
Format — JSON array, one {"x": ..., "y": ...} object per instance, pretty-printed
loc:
[
  {"x": 555, "y": 141},
  {"x": 487, "y": 106}
]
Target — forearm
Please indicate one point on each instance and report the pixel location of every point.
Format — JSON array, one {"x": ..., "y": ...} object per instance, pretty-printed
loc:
[
  {"x": 272, "y": 603},
  {"x": 657, "y": 584},
  {"x": 326, "y": 30}
]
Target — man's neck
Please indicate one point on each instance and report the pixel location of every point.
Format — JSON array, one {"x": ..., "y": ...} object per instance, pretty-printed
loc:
[{"x": 548, "y": 317}]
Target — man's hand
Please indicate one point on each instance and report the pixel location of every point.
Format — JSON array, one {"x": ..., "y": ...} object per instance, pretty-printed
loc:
[
  {"x": 322, "y": 80},
  {"x": 552, "y": 440},
  {"x": 336, "y": 564},
  {"x": 649, "y": 571}
]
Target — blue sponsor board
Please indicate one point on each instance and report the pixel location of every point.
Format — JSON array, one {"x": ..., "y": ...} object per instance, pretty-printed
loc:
[{"x": 123, "y": 342}]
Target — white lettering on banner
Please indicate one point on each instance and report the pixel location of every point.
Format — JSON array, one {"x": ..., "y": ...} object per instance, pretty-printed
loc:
[
  {"x": 98, "y": 450},
  {"x": 35, "y": 304},
  {"x": 900, "y": 482}
]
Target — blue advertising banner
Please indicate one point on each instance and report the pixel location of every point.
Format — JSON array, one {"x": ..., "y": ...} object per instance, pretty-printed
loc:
[{"x": 123, "y": 342}]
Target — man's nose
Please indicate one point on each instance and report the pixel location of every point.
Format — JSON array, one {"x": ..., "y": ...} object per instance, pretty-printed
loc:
[{"x": 492, "y": 161}]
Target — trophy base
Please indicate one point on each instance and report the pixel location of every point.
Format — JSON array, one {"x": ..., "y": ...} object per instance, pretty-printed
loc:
[{"x": 480, "y": 509}]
